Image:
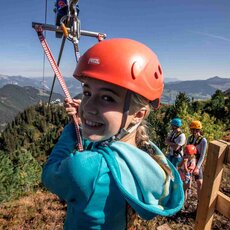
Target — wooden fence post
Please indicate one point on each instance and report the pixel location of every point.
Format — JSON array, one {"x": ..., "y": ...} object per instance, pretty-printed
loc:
[{"x": 211, "y": 183}]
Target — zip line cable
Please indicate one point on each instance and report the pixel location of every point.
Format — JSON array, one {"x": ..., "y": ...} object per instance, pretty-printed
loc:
[
  {"x": 44, "y": 55},
  {"x": 68, "y": 19}
]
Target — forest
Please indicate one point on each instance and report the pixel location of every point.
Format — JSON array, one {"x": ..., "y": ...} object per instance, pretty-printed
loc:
[{"x": 28, "y": 140}]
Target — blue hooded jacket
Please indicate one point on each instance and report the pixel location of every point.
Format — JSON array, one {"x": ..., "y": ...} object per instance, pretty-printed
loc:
[{"x": 97, "y": 183}]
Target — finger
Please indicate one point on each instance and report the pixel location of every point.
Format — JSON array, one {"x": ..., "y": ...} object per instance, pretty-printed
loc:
[
  {"x": 71, "y": 113},
  {"x": 71, "y": 110},
  {"x": 76, "y": 102},
  {"x": 68, "y": 100}
]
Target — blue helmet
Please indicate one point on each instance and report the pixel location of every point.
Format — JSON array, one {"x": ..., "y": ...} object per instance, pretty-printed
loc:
[{"x": 176, "y": 122}]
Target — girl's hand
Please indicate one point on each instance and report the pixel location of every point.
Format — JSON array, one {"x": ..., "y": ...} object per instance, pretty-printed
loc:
[{"x": 71, "y": 107}]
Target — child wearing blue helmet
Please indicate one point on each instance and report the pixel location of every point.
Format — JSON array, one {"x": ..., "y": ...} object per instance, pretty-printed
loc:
[{"x": 175, "y": 141}]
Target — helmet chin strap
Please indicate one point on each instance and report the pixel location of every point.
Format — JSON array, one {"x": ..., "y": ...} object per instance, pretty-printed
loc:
[{"x": 123, "y": 132}]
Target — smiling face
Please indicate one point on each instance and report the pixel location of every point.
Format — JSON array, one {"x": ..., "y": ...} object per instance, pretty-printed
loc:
[
  {"x": 195, "y": 132},
  {"x": 101, "y": 109}
]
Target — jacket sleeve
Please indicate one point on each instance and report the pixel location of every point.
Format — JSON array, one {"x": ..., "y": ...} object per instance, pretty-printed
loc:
[
  {"x": 65, "y": 144},
  {"x": 202, "y": 150},
  {"x": 66, "y": 173}
]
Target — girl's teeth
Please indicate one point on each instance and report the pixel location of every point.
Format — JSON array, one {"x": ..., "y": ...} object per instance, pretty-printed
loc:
[{"x": 91, "y": 123}]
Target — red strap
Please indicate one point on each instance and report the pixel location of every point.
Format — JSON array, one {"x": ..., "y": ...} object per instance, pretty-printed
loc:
[{"x": 56, "y": 70}]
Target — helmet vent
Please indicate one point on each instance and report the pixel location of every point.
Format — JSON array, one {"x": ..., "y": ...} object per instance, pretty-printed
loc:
[
  {"x": 159, "y": 68},
  {"x": 136, "y": 70},
  {"x": 156, "y": 75}
]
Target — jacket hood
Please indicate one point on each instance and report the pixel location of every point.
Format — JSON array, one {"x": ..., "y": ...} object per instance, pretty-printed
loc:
[{"x": 144, "y": 185}]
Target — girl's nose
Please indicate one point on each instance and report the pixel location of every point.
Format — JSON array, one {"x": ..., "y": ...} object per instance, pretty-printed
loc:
[{"x": 91, "y": 106}]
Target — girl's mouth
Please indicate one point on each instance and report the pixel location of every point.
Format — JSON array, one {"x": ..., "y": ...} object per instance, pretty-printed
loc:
[{"x": 93, "y": 123}]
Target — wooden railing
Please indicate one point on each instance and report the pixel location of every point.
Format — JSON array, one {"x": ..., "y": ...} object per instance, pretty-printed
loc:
[{"x": 211, "y": 198}]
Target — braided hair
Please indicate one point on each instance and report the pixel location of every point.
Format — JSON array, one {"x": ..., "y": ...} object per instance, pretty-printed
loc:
[{"x": 142, "y": 136}]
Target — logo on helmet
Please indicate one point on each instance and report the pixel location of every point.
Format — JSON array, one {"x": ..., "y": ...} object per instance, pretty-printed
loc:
[{"x": 95, "y": 61}]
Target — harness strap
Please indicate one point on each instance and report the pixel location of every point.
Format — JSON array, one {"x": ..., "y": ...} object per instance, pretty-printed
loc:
[
  {"x": 197, "y": 142},
  {"x": 58, "y": 74},
  {"x": 172, "y": 139}
]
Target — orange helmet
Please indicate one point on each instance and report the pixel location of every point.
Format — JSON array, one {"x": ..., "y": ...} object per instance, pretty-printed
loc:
[
  {"x": 195, "y": 125},
  {"x": 190, "y": 149},
  {"x": 126, "y": 63}
]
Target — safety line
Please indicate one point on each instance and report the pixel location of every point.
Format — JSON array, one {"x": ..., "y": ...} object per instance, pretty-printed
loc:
[{"x": 56, "y": 70}]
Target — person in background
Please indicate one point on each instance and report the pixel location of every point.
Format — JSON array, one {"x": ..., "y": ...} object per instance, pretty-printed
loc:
[
  {"x": 196, "y": 138},
  {"x": 186, "y": 167},
  {"x": 122, "y": 79},
  {"x": 175, "y": 141}
]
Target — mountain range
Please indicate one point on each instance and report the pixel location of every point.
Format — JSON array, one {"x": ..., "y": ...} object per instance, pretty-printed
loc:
[
  {"x": 198, "y": 89},
  {"x": 45, "y": 84},
  {"x": 15, "y": 98},
  {"x": 18, "y": 92}
]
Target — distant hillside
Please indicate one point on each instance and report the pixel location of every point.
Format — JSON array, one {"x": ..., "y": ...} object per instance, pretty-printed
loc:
[
  {"x": 167, "y": 80},
  {"x": 227, "y": 92},
  {"x": 73, "y": 85},
  {"x": 19, "y": 80},
  {"x": 14, "y": 99},
  {"x": 197, "y": 89}
]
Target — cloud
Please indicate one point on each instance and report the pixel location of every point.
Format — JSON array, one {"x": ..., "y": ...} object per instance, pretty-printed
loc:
[{"x": 212, "y": 35}]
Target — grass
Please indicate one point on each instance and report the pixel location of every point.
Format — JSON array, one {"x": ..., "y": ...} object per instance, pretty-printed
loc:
[
  {"x": 40, "y": 210},
  {"x": 44, "y": 211}
]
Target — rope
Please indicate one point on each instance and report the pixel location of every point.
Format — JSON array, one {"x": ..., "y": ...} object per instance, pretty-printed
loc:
[
  {"x": 58, "y": 74},
  {"x": 58, "y": 62}
]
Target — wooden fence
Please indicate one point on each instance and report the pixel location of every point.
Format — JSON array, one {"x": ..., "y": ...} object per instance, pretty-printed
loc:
[{"x": 211, "y": 198}]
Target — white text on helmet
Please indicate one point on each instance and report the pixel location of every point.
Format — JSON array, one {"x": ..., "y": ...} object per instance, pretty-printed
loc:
[{"x": 94, "y": 61}]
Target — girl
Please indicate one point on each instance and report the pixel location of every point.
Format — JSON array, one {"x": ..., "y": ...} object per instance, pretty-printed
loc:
[
  {"x": 187, "y": 166},
  {"x": 121, "y": 80}
]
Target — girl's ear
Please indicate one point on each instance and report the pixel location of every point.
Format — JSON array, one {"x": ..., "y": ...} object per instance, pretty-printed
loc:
[{"x": 140, "y": 115}]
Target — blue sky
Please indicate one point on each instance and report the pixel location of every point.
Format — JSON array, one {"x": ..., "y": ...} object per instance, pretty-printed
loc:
[{"x": 190, "y": 37}]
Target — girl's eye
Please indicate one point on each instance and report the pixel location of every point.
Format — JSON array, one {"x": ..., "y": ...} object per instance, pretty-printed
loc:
[
  {"x": 86, "y": 93},
  {"x": 108, "y": 98}
]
